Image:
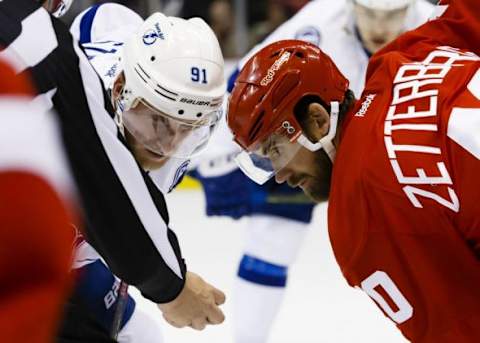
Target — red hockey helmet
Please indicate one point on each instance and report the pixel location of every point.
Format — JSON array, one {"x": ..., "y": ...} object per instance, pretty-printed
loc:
[{"x": 266, "y": 92}]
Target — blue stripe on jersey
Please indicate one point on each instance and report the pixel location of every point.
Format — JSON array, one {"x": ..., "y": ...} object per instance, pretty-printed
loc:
[
  {"x": 86, "y": 24},
  {"x": 232, "y": 79},
  {"x": 262, "y": 273},
  {"x": 103, "y": 51}
]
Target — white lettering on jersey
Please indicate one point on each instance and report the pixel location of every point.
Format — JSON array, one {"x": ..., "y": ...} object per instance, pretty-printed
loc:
[
  {"x": 110, "y": 298},
  {"x": 365, "y": 105},
  {"x": 413, "y": 82}
]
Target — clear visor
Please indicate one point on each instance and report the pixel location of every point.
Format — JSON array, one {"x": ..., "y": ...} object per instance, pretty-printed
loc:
[
  {"x": 270, "y": 157},
  {"x": 168, "y": 136}
]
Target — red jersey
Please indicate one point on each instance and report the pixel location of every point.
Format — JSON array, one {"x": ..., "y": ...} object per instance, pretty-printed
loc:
[
  {"x": 36, "y": 233},
  {"x": 404, "y": 210}
]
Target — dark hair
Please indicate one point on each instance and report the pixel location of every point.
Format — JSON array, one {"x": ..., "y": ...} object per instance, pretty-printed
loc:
[{"x": 301, "y": 108}]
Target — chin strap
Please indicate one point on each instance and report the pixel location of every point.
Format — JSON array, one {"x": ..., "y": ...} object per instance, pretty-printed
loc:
[
  {"x": 118, "y": 116},
  {"x": 325, "y": 143}
]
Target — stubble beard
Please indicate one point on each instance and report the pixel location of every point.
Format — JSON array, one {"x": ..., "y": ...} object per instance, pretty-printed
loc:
[{"x": 319, "y": 186}]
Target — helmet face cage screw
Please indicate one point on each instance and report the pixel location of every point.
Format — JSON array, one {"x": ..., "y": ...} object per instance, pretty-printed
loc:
[
  {"x": 181, "y": 112},
  {"x": 286, "y": 125}
]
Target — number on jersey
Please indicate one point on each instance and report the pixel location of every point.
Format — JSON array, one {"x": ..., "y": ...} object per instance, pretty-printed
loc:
[{"x": 404, "y": 310}]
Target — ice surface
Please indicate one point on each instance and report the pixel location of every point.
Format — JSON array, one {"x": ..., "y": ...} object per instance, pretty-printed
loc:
[{"x": 319, "y": 305}]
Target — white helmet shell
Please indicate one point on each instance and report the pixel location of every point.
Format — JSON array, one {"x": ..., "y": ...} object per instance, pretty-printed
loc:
[
  {"x": 176, "y": 65},
  {"x": 385, "y": 5}
]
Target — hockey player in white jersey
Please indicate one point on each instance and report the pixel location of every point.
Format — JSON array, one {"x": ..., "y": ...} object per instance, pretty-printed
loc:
[
  {"x": 167, "y": 94},
  {"x": 349, "y": 31}
]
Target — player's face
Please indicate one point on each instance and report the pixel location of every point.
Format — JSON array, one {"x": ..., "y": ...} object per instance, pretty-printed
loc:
[
  {"x": 295, "y": 164},
  {"x": 151, "y": 136},
  {"x": 377, "y": 28}
]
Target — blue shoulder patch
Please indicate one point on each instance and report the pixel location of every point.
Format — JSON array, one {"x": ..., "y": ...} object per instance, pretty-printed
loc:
[{"x": 179, "y": 174}]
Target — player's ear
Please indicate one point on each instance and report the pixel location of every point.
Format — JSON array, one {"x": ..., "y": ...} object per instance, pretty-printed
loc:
[
  {"x": 117, "y": 88},
  {"x": 317, "y": 122}
]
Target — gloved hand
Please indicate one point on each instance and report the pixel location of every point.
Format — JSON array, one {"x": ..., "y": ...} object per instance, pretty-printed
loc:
[{"x": 226, "y": 195}]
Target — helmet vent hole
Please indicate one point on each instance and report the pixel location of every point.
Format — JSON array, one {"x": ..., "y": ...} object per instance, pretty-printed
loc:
[
  {"x": 299, "y": 54},
  {"x": 199, "y": 114},
  {"x": 257, "y": 125},
  {"x": 180, "y": 112},
  {"x": 153, "y": 58},
  {"x": 261, "y": 98}
]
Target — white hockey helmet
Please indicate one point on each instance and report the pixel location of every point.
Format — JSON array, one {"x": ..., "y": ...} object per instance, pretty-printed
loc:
[
  {"x": 174, "y": 67},
  {"x": 385, "y": 5}
]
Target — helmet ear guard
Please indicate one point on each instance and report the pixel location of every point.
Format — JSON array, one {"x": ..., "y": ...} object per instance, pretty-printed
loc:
[{"x": 325, "y": 142}]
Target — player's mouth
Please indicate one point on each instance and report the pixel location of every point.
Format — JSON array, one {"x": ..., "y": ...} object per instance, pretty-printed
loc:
[
  {"x": 378, "y": 41},
  {"x": 154, "y": 154},
  {"x": 297, "y": 183},
  {"x": 303, "y": 183}
]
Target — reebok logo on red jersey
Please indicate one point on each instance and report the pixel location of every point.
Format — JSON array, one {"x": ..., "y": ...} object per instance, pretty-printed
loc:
[{"x": 365, "y": 105}]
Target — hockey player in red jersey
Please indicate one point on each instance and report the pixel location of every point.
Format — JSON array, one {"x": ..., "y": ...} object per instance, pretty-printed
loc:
[
  {"x": 36, "y": 235},
  {"x": 400, "y": 166}
]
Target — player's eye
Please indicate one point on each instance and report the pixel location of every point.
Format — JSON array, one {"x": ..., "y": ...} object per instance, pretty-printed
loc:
[{"x": 273, "y": 151}]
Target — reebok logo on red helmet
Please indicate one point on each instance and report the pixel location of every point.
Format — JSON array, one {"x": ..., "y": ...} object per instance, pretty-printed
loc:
[{"x": 275, "y": 66}]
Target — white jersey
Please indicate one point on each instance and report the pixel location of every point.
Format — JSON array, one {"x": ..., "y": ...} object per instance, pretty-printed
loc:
[
  {"x": 329, "y": 25},
  {"x": 102, "y": 34}
]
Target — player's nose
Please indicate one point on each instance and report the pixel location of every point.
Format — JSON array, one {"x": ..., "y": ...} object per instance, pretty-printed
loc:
[{"x": 282, "y": 175}]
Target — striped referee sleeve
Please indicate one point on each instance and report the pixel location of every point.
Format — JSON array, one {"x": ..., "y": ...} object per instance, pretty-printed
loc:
[{"x": 125, "y": 215}]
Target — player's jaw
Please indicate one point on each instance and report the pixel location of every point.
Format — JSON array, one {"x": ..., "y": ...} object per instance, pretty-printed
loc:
[{"x": 311, "y": 171}]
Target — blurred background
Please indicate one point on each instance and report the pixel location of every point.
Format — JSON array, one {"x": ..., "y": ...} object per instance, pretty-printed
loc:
[{"x": 238, "y": 24}]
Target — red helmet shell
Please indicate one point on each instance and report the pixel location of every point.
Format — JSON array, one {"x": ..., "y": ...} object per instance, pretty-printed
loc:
[{"x": 270, "y": 85}]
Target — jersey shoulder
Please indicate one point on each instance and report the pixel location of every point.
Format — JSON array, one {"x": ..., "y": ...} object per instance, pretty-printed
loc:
[
  {"x": 102, "y": 30},
  {"x": 105, "y": 22},
  {"x": 308, "y": 24},
  {"x": 420, "y": 12}
]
